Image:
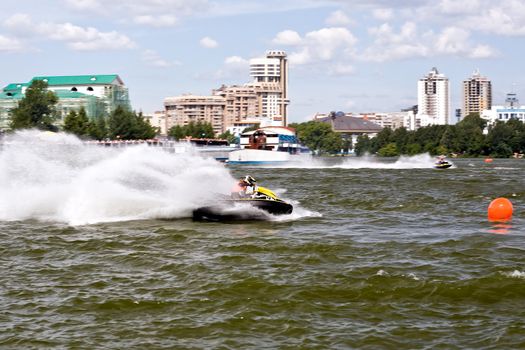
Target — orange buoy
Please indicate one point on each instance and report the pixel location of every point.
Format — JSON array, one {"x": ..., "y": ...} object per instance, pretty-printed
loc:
[
  {"x": 500, "y": 209},
  {"x": 488, "y": 160}
]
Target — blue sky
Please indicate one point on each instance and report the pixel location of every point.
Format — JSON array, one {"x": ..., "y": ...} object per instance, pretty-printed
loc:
[{"x": 354, "y": 55}]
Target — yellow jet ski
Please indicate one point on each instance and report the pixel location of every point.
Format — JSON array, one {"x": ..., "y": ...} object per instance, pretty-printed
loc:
[{"x": 238, "y": 208}]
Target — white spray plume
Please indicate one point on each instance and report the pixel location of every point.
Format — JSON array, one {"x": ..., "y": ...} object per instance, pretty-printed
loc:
[{"x": 56, "y": 177}]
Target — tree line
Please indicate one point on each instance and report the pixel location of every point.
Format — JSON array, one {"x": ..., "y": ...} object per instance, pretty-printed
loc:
[{"x": 465, "y": 139}]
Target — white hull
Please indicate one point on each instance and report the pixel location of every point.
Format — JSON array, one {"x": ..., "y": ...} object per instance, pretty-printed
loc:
[{"x": 258, "y": 156}]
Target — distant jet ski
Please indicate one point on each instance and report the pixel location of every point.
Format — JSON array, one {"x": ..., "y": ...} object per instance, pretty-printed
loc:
[
  {"x": 442, "y": 165},
  {"x": 256, "y": 207}
]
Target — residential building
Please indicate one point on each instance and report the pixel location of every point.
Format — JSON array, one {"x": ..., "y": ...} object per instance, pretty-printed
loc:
[
  {"x": 98, "y": 94},
  {"x": 433, "y": 97},
  {"x": 477, "y": 94},
  {"x": 181, "y": 110},
  {"x": 240, "y": 103}
]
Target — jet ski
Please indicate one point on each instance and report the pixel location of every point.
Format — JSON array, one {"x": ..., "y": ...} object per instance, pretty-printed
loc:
[
  {"x": 255, "y": 207},
  {"x": 442, "y": 165}
]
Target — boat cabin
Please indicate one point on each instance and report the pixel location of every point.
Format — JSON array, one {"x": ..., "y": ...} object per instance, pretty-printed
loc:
[{"x": 279, "y": 139}]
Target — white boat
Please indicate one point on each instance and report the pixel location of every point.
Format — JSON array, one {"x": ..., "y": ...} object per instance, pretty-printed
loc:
[{"x": 273, "y": 144}]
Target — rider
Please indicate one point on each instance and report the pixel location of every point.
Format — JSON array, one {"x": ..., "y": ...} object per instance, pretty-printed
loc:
[
  {"x": 247, "y": 187},
  {"x": 440, "y": 159}
]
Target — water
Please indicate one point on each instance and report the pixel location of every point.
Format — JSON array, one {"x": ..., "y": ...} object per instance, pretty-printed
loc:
[{"x": 98, "y": 251}]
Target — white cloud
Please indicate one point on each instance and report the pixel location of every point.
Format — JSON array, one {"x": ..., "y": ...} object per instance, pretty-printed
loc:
[
  {"x": 500, "y": 18},
  {"x": 152, "y": 58},
  {"x": 382, "y": 14},
  {"x": 338, "y": 19},
  {"x": 323, "y": 45},
  {"x": 76, "y": 37},
  {"x": 83, "y": 5},
  {"x": 208, "y": 43},
  {"x": 19, "y": 23},
  {"x": 157, "y": 21},
  {"x": 237, "y": 61},
  {"x": 455, "y": 7},
  {"x": 452, "y": 40},
  {"x": 410, "y": 42},
  {"x": 342, "y": 69},
  {"x": 388, "y": 45},
  {"x": 234, "y": 67},
  {"x": 455, "y": 41},
  {"x": 10, "y": 44},
  {"x": 287, "y": 37},
  {"x": 483, "y": 51},
  {"x": 506, "y": 19}
]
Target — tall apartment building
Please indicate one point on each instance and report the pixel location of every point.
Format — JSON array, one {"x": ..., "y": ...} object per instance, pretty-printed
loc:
[
  {"x": 265, "y": 98},
  {"x": 241, "y": 102},
  {"x": 181, "y": 110},
  {"x": 433, "y": 97},
  {"x": 477, "y": 94},
  {"x": 270, "y": 79}
]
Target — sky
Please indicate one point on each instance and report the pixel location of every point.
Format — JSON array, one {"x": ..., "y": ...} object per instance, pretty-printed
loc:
[{"x": 357, "y": 56}]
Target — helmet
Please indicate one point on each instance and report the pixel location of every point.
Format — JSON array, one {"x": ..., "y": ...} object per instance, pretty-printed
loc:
[{"x": 248, "y": 180}]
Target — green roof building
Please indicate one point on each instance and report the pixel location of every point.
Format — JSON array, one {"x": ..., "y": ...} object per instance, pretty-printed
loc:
[{"x": 98, "y": 94}]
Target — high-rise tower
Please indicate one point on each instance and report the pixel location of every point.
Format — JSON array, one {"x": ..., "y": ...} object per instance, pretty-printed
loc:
[
  {"x": 270, "y": 78},
  {"x": 477, "y": 94},
  {"x": 433, "y": 97}
]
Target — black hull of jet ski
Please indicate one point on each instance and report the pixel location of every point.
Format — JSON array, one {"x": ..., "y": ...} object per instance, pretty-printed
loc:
[
  {"x": 228, "y": 211},
  {"x": 443, "y": 166}
]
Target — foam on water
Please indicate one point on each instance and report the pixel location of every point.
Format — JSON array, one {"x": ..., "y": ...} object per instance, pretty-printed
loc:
[
  {"x": 420, "y": 161},
  {"x": 56, "y": 177}
]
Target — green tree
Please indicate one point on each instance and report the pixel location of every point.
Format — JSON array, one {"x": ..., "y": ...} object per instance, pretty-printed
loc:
[
  {"x": 388, "y": 150},
  {"x": 363, "y": 145},
  {"x": 77, "y": 123},
  {"x": 36, "y": 109},
  {"x": 127, "y": 125},
  {"x": 177, "y": 132},
  {"x": 318, "y": 136},
  {"x": 143, "y": 130},
  {"x": 470, "y": 138},
  {"x": 196, "y": 130},
  {"x": 98, "y": 129},
  {"x": 383, "y": 138},
  {"x": 227, "y": 135}
]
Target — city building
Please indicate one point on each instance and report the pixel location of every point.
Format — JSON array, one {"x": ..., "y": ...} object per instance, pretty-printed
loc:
[
  {"x": 348, "y": 126},
  {"x": 433, "y": 97},
  {"x": 157, "y": 119},
  {"x": 240, "y": 103},
  {"x": 511, "y": 109},
  {"x": 270, "y": 79},
  {"x": 265, "y": 98},
  {"x": 181, "y": 110},
  {"x": 392, "y": 120},
  {"x": 98, "y": 94},
  {"x": 477, "y": 94}
]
